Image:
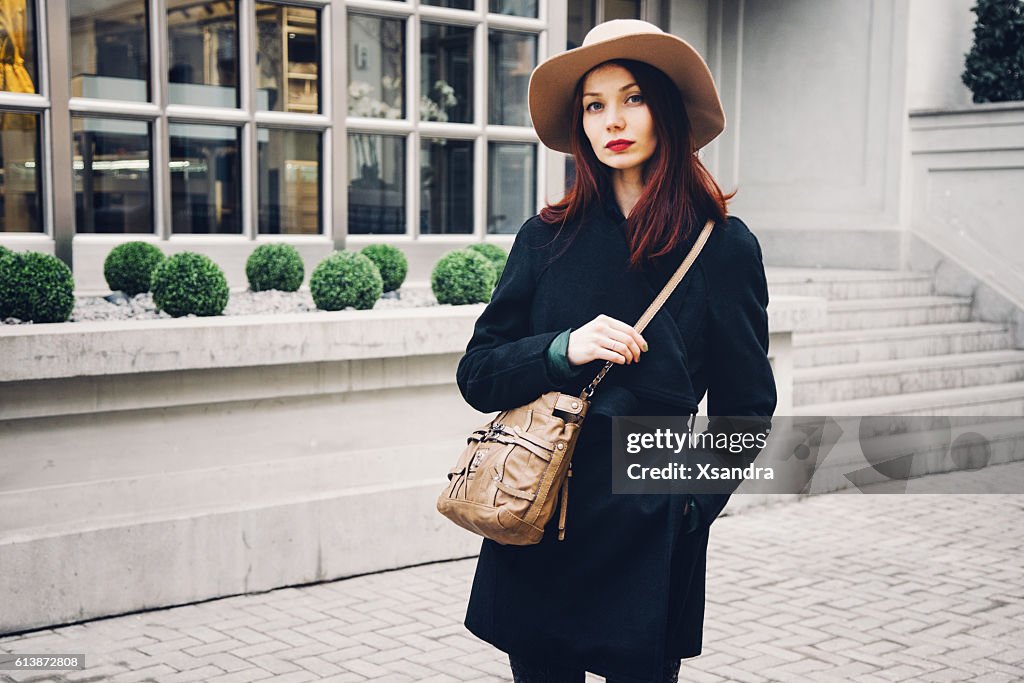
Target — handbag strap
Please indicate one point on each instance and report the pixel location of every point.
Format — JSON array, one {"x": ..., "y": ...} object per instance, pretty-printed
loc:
[{"x": 659, "y": 300}]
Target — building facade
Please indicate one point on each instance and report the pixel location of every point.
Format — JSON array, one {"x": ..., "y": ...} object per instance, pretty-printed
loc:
[{"x": 216, "y": 125}]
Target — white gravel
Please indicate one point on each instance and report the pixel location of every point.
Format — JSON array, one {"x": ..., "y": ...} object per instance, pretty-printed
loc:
[{"x": 141, "y": 306}]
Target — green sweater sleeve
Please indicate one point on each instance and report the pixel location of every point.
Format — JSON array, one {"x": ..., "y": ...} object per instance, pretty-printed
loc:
[{"x": 558, "y": 359}]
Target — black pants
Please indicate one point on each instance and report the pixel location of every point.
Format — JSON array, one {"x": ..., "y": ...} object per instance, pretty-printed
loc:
[{"x": 524, "y": 671}]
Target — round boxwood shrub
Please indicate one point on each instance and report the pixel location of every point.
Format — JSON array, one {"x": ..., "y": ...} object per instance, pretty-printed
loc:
[
  {"x": 345, "y": 279},
  {"x": 190, "y": 283},
  {"x": 36, "y": 287},
  {"x": 994, "y": 68},
  {"x": 494, "y": 253},
  {"x": 129, "y": 267},
  {"x": 391, "y": 263},
  {"x": 274, "y": 266},
  {"x": 463, "y": 277}
]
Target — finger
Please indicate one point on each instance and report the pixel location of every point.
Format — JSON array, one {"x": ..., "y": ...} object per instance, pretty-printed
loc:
[
  {"x": 625, "y": 340},
  {"x": 621, "y": 348},
  {"x": 601, "y": 353},
  {"x": 629, "y": 330}
]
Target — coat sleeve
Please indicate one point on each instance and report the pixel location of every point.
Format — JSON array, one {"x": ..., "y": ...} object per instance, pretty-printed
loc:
[
  {"x": 741, "y": 382},
  {"x": 505, "y": 365}
]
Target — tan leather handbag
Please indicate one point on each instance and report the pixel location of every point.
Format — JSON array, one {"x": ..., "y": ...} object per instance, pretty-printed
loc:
[{"x": 506, "y": 482}]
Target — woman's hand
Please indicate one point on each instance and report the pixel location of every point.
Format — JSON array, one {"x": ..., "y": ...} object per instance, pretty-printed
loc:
[{"x": 605, "y": 338}]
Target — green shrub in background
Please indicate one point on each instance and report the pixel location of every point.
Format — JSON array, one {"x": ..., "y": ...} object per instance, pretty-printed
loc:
[
  {"x": 345, "y": 279},
  {"x": 274, "y": 266},
  {"x": 994, "y": 69},
  {"x": 391, "y": 263},
  {"x": 129, "y": 267},
  {"x": 463, "y": 277},
  {"x": 4, "y": 251},
  {"x": 189, "y": 283},
  {"x": 36, "y": 287},
  {"x": 494, "y": 253}
]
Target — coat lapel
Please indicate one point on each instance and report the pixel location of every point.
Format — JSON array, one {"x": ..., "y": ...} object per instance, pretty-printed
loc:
[{"x": 661, "y": 375}]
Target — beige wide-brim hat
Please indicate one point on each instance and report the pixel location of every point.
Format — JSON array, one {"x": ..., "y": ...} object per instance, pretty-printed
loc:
[{"x": 553, "y": 82}]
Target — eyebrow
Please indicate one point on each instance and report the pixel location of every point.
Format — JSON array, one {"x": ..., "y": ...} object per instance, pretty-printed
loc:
[{"x": 623, "y": 88}]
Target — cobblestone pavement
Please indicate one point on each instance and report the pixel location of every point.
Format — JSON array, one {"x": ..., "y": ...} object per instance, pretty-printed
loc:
[{"x": 873, "y": 589}]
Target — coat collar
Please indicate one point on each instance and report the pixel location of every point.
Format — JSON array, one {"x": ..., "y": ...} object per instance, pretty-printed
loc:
[
  {"x": 663, "y": 378},
  {"x": 658, "y": 272}
]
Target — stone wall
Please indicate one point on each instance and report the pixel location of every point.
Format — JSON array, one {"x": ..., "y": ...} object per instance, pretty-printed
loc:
[{"x": 195, "y": 458}]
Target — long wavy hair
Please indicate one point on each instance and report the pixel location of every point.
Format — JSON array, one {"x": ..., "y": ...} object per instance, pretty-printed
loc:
[{"x": 679, "y": 192}]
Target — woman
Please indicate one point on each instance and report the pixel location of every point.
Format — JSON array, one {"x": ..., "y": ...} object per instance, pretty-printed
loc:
[{"x": 623, "y": 595}]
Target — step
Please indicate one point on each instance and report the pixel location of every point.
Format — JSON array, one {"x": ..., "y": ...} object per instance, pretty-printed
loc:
[
  {"x": 866, "y": 314},
  {"x": 847, "y": 284},
  {"x": 831, "y": 383},
  {"x": 812, "y": 349},
  {"x": 898, "y": 453},
  {"x": 986, "y": 400}
]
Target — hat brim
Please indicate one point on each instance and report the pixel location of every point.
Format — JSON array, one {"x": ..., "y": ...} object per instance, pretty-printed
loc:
[{"x": 553, "y": 84}]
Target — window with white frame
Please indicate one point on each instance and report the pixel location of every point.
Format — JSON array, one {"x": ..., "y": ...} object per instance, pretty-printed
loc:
[
  {"x": 439, "y": 137},
  {"x": 22, "y": 108},
  {"x": 237, "y": 86}
]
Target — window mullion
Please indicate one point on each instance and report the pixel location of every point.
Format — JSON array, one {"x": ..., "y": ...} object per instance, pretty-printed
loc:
[
  {"x": 332, "y": 142},
  {"x": 481, "y": 118},
  {"x": 505, "y": 22},
  {"x": 413, "y": 151},
  {"x": 247, "y": 100},
  {"x": 450, "y": 17},
  {"x": 44, "y": 138},
  {"x": 551, "y": 164},
  {"x": 161, "y": 143},
  {"x": 385, "y": 8},
  {"x": 58, "y": 63}
]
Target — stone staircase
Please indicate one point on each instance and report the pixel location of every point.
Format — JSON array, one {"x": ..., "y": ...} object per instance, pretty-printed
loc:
[{"x": 892, "y": 347}]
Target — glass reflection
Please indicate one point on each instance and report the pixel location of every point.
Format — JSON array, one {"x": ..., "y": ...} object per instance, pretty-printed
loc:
[
  {"x": 446, "y": 174},
  {"x": 519, "y": 8},
  {"x": 513, "y": 56},
  {"x": 376, "y": 184},
  {"x": 202, "y": 49},
  {"x": 18, "y": 68},
  {"x": 581, "y": 18},
  {"x": 454, "y": 4},
  {"x": 511, "y": 185},
  {"x": 110, "y": 49},
  {"x": 621, "y": 9},
  {"x": 206, "y": 188},
  {"x": 21, "y": 203},
  {"x": 113, "y": 183},
  {"x": 446, "y": 73},
  {"x": 288, "y": 58},
  {"x": 376, "y": 67},
  {"x": 289, "y": 181}
]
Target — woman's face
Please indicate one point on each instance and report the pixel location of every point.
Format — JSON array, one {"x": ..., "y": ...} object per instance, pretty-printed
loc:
[{"x": 616, "y": 118}]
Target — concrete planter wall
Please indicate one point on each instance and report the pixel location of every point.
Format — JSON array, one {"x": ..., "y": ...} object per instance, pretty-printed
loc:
[
  {"x": 968, "y": 168},
  {"x": 189, "y": 459}
]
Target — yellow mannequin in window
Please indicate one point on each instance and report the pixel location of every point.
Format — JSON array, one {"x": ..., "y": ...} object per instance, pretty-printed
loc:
[{"x": 17, "y": 147}]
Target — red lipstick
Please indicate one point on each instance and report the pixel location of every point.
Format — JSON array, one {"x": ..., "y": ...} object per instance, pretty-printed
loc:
[{"x": 619, "y": 145}]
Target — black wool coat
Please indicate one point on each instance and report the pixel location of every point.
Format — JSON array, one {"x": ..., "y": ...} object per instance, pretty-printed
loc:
[{"x": 625, "y": 590}]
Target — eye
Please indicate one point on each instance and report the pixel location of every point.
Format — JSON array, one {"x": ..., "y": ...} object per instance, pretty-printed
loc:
[
  {"x": 591, "y": 107},
  {"x": 635, "y": 98}
]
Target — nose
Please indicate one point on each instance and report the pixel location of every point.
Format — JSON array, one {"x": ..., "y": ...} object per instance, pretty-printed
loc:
[{"x": 613, "y": 119}]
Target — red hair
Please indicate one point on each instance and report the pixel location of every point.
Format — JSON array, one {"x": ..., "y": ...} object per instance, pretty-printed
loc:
[{"x": 679, "y": 192}]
